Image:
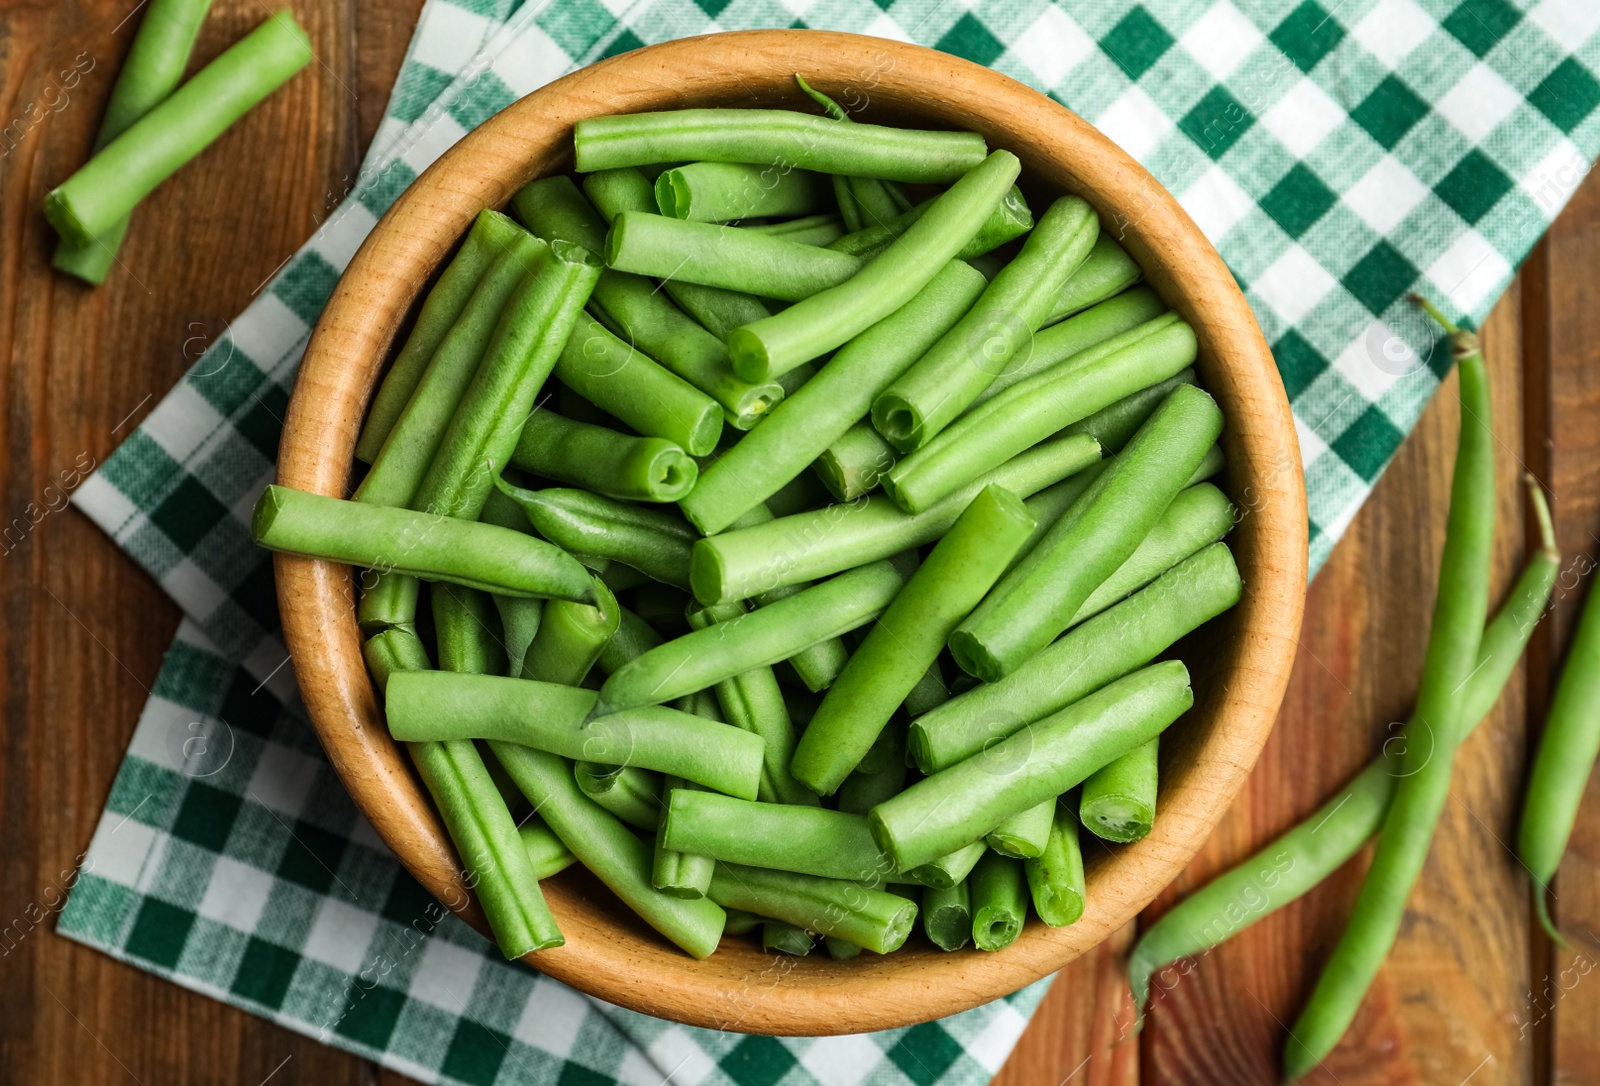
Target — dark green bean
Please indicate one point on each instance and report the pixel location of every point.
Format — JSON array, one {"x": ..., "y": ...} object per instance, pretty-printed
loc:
[
  {"x": 634, "y": 638},
  {"x": 881, "y": 774},
  {"x": 947, "y": 916},
  {"x": 778, "y": 937},
  {"x": 467, "y": 630},
  {"x": 852, "y": 466}
]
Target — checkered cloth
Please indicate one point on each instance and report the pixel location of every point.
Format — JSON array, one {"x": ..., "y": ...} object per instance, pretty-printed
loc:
[{"x": 1338, "y": 156}]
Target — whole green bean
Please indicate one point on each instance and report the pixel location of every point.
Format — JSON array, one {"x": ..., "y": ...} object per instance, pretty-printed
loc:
[
  {"x": 466, "y": 630},
  {"x": 778, "y": 937},
  {"x": 757, "y": 639},
  {"x": 1032, "y": 410},
  {"x": 428, "y": 705},
  {"x": 1055, "y": 877},
  {"x": 610, "y": 850},
  {"x": 808, "y": 840},
  {"x": 999, "y": 901},
  {"x": 947, "y": 916},
  {"x": 728, "y": 191},
  {"x": 959, "y": 805},
  {"x": 105, "y": 189},
  {"x": 571, "y": 637},
  {"x": 1036, "y": 600},
  {"x": 908, "y": 637},
  {"x": 1106, "y": 272},
  {"x": 646, "y": 469},
  {"x": 816, "y": 325},
  {"x": 1025, "y": 834},
  {"x": 745, "y": 562},
  {"x": 491, "y": 235},
  {"x": 1420, "y": 796},
  {"x": 1059, "y": 343},
  {"x": 681, "y": 874},
  {"x": 422, "y": 545},
  {"x": 775, "y": 137},
  {"x": 944, "y": 381},
  {"x": 819, "y": 229},
  {"x": 630, "y": 793},
  {"x": 651, "y": 541},
  {"x": 1085, "y": 658},
  {"x": 152, "y": 70},
  {"x": 638, "y": 390},
  {"x": 1118, "y": 801},
  {"x": 852, "y": 466},
  {"x": 768, "y": 265},
  {"x": 881, "y": 774},
  {"x": 634, "y": 638},
  {"x": 819, "y": 414},
  {"x": 1009, "y": 220},
  {"x": 874, "y": 919},
  {"x": 546, "y": 854},
  {"x": 949, "y": 869}
]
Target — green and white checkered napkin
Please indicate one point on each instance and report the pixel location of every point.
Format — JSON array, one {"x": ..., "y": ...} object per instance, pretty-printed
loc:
[{"x": 1338, "y": 157}]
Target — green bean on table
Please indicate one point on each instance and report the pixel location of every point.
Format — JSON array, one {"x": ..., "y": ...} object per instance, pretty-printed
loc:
[
  {"x": 1118, "y": 801},
  {"x": 909, "y": 636},
  {"x": 727, "y": 191},
  {"x": 681, "y": 874},
  {"x": 801, "y": 428},
  {"x": 650, "y": 540},
  {"x": 1106, "y": 272},
  {"x": 775, "y": 137},
  {"x": 100, "y": 195},
  {"x": 621, "y": 466},
  {"x": 998, "y": 894},
  {"x": 637, "y": 390},
  {"x": 1453, "y": 643},
  {"x": 852, "y": 466},
  {"x": 1055, "y": 877},
  {"x": 812, "y": 229},
  {"x": 947, "y": 916},
  {"x": 874, "y": 919},
  {"x": 785, "y": 837},
  {"x": 152, "y": 69},
  {"x": 571, "y": 637},
  {"x": 944, "y": 381},
  {"x": 1036, "y": 600},
  {"x": 1025, "y": 834},
  {"x": 767, "y": 265}
]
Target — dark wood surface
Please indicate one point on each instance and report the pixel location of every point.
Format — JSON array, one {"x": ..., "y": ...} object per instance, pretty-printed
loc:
[{"x": 1472, "y": 992}]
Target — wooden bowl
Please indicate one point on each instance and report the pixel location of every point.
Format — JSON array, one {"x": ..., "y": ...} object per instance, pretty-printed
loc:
[{"x": 1240, "y": 670}]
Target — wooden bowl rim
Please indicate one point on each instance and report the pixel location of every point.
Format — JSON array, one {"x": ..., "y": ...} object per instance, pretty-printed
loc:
[{"x": 608, "y": 953}]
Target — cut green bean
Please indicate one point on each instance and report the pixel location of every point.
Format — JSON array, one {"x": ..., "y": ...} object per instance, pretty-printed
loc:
[
  {"x": 908, "y": 637},
  {"x": 610, "y": 850},
  {"x": 852, "y": 466},
  {"x": 1010, "y": 219},
  {"x": 947, "y": 916},
  {"x": 1060, "y": 343},
  {"x": 1055, "y": 877},
  {"x": 519, "y": 618},
  {"x": 840, "y": 950},
  {"x": 491, "y": 235},
  {"x": 1032, "y": 410},
  {"x": 729, "y": 191},
  {"x": 811, "y": 328},
  {"x": 807, "y": 546},
  {"x": 1115, "y": 424},
  {"x": 431, "y": 705},
  {"x": 650, "y": 540},
  {"x": 929, "y": 692},
  {"x": 1118, "y": 801},
  {"x": 571, "y": 637},
  {"x": 681, "y": 874},
  {"x": 999, "y": 901},
  {"x": 1036, "y": 600},
  {"x": 845, "y": 201},
  {"x": 959, "y": 805},
  {"x": 637, "y": 390},
  {"x": 874, "y": 919},
  {"x": 1101, "y": 650},
  {"x": 785, "y": 837},
  {"x": 1000, "y": 325},
  {"x": 811, "y": 230},
  {"x": 391, "y": 651},
  {"x": 817, "y": 665},
  {"x": 1106, "y": 272},
  {"x": 778, "y": 937},
  {"x": 467, "y": 630},
  {"x": 865, "y": 788},
  {"x": 876, "y": 205},
  {"x": 1024, "y": 835},
  {"x": 93, "y": 201},
  {"x": 775, "y": 137},
  {"x": 634, "y": 638},
  {"x": 646, "y": 469},
  {"x": 819, "y": 414},
  {"x": 947, "y": 870},
  {"x": 152, "y": 70},
  {"x": 546, "y": 854},
  {"x": 422, "y": 545},
  {"x": 630, "y": 793},
  {"x": 768, "y": 265}
]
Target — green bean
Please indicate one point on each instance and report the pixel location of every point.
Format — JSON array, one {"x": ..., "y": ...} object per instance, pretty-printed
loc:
[
  {"x": 152, "y": 70},
  {"x": 775, "y": 137},
  {"x": 554, "y": 208},
  {"x": 844, "y": 199},
  {"x": 654, "y": 542},
  {"x": 646, "y": 469},
  {"x": 1055, "y": 877},
  {"x": 811, "y": 230},
  {"x": 959, "y": 805},
  {"x": 881, "y": 774},
  {"x": 1453, "y": 644},
  {"x": 438, "y": 705},
  {"x": 634, "y": 638},
  {"x": 728, "y": 191},
  {"x": 637, "y": 390},
  {"x": 778, "y": 937},
  {"x": 874, "y": 919},
  {"x": 681, "y": 874},
  {"x": 491, "y": 235},
  {"x": 1009, "y": 220},
  {"x": 1036, "y": 600},
  {"x": 947, "y": 916},
  {"x": 1115, "y": 424},
  {"x": 724, "y": 256},
  {"x": 741, "y": 922},
  {"x": 423, "y": 545},
  {"x": 546, "y": 854},
  {"x": 808, "y": 840},
  {"x": 1106, "y": 272},
  {"x": 519, "y": 618},
  {"x": 929, "y": 692},
  {"x": 876, "y": 205},
  {"x": 466, "y": 630},
  {"x": 908, "y": 637},
  {"x": 742, "y": 563},
  {"x": 93, "y": 201},
  {"x": 571, "y": 637},
  {"x": 1118, "y": 801},
  {"x": 840, "y": 950},
  {"x": 948, "y": 870},
  {"x": 757, "y": 639},
  {"x": 1025, "y": 834},
  {"x": 944, "y": 381},
  {"x": 819, "y": 414},
  {"x": 391, "y": 651},
  {"x": 1032, "y": 410},
  {"x": 811, "y": 328},
  {"x": 852, "y": 466},
  {"x": 610, "y": 850},
  {"x": 1125, "y": 637},
  {"x": 630, "y": 793},
  {"x": 817, "y": 666},
  {"x": 801, "y": 494},
  {"x": 999, "y": 901},
  {"x": 870, "y": 197}
]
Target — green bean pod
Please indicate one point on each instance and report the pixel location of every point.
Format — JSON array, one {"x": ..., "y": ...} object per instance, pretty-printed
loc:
[
  {"x": 1009, "y": 220},
  {"x": 1025, "y": 834},
  {"x": 908, "y": 637},
  {"x": 741, "y": 922},
  {"x": 767, "y": 265},
  {"x": 947, "y": 870},
  {"x": 646, "y": 469},
  {"x": 778, "y": 937},
  {"x": 728, "y": 191},
  {"x": 467, "y": 630},
  {"x": 639, "y": 391},
  {"x": 571, "y": 637},
  {"x": 817, "y": 665},
  {"x": 391, "y": 651},
  {"x": 1106, "y": 272},
  {"x": 546, "y": 854},
  {"x": 681, "y": 874},
  {"x": 840, "y": 950},
  {"x": 630, "y": 793},
  {"x": 881, "y": 774},
  {"x": 820, "y": 229},
  {"x": 519, "y": 618},
  {"x": 852, "y": 466},
  {"x": 999, "y": 901},
  {"x": 874, "y": 919},
  {"x": 781, "y": 836},
  {"x": 1118, "y": 801},
  {"x": 654, "y": 542},
  {"x": 947, "y": 916},
  {"x": 1055, "y": 876}
]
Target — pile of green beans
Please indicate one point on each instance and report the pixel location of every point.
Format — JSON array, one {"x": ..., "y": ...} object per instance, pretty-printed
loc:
[{"x": 703, "y": 597}]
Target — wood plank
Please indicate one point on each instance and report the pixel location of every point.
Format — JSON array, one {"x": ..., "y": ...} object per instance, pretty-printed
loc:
[{"x": 1081, "y": 1034}]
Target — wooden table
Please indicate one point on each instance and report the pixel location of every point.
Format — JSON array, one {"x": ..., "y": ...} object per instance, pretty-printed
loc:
[{"x": 1466, "y": 994}]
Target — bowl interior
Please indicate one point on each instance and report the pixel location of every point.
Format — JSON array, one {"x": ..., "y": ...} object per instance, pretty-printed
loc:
[{"x": 1240, "y": 665}]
